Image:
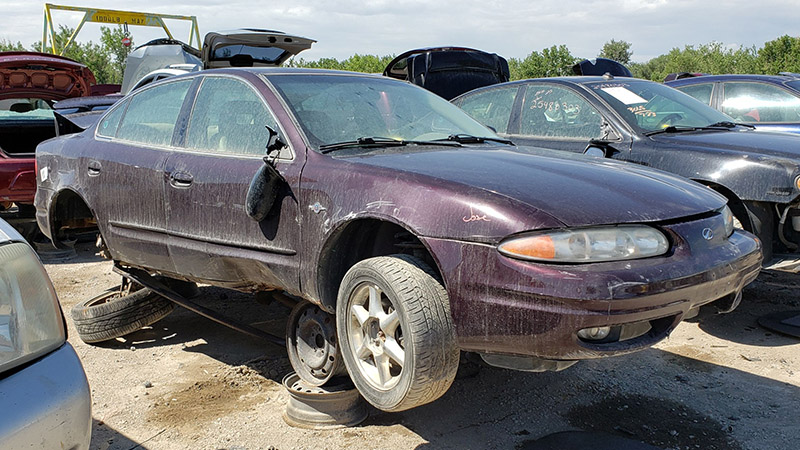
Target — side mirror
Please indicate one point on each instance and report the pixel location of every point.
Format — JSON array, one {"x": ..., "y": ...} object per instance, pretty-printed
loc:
[
  {"x": 274, "y": 143},
  {"x": 600, "y": 148}
]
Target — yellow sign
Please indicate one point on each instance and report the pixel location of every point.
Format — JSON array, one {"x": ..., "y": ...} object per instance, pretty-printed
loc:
[{"x": 120, "y": 17}]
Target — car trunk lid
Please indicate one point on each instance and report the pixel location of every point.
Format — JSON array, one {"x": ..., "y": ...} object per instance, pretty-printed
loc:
[{"x": 251, "y": 47}]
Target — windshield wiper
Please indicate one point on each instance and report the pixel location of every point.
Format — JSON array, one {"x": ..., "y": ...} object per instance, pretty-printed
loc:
[
  {"x": 728, "y": 124},
  {"x": 672, "y": 129},
  {"x": 363, "y": 142},
  {"x": 377, "y": 141},
  {"x": 463, "y": 138}
]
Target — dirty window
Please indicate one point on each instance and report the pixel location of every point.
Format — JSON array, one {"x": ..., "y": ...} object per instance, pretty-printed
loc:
[
  {"x": 758, "y": 102},
  {"x": 491, "y": 108},
  {"x": 152, "y": 113},
  {"x": 553, "y": 111},
  {"x": 229, "y": 117},
  {"x": 701, "y": 92},
  {"x": 109, "y": 123}
]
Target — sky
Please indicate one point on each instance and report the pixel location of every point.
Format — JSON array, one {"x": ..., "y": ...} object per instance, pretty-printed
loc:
[{"x": 510, "y": 28}]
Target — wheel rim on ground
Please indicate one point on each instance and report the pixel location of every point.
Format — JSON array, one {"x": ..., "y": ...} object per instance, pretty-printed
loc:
[
  {"x": 312, "y": 344},
  {"x": 375, "y": 336}
]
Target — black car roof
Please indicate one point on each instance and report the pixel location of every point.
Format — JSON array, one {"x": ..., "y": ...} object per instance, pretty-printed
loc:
[{"x": 776, "y": 79}]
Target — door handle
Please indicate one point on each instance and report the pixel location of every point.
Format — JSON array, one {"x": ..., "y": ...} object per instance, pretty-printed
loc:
[
  {"x": 94, "y": 168},
  {"x": 181, "y": 179}
]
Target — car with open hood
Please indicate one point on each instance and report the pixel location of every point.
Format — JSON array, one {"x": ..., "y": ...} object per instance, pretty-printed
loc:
[
  {"x": 657, "y": 126},
  {"x": 768, "y": 102},
  {"x": 30, "y": 83},
  {"x": 448, "y": 71},
  {"x": 405, "y": 230}
]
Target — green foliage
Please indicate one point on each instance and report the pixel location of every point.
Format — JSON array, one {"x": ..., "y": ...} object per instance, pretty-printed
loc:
[
  {"x": 355, "y": 63},
  {"x": 708, "y": 58},
  {"x": 780, "y": 55},
  {"x": 551, "y": 62},
  {"x": 8, "y": 46},
  {"x": 619, "y": 51},
  {"x": 106, "y": 60}
]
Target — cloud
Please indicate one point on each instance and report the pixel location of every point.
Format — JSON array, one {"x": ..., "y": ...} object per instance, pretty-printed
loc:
[{"x": 512, "y": 28}]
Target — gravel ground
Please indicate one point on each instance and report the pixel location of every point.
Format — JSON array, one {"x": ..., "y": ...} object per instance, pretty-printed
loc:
[{"x": 719, "y": 382}]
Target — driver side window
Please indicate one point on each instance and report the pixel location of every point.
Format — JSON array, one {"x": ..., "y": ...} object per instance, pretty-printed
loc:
[
  {"x": 229, "y": 117},
  {"x": 491, "y": 108},
  {"x": 552, "y": 111}
]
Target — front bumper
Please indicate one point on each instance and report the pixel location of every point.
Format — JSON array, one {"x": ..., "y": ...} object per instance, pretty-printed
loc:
[
  {"x": 507, "y": 306},
  {"x": 46, "y": 404}
]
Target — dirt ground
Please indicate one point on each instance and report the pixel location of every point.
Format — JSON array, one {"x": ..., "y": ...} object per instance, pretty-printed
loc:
[{"x": 719, "y": 382}]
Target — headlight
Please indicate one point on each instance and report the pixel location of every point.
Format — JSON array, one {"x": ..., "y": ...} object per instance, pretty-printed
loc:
[
  {"x": 727, "y": 217},
  {"x": 30, "y": 318},
  {"x": 588, "y": 244}
]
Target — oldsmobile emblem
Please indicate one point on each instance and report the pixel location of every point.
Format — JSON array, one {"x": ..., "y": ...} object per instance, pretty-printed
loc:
[
  {"x": 708, "y": 234},
  {"x": 317, "y": 208}
]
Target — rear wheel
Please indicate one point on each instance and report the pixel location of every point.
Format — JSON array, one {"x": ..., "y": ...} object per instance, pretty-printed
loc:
[
  {"x": 397, "y": 336},
  {"x": 113, "y": 313}
]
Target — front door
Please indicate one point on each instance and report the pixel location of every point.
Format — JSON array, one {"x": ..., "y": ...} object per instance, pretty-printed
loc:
[{"x": 211, "y": 236}]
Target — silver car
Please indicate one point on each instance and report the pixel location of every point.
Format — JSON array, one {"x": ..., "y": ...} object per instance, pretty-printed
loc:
[{"x": 44, "y": 395}]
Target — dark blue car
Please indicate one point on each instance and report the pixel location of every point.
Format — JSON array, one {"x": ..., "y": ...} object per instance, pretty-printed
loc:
[{"x": 769, "y": 102}]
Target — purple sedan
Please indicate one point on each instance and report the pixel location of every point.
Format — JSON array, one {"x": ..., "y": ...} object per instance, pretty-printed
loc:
[{"x": 407, "y": 231}]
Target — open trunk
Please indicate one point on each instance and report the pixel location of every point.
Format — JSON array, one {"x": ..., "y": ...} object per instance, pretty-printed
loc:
[{"x": 18, "y": 139}]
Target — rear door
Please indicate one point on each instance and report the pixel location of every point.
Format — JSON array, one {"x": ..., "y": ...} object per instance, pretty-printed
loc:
[
  {"x": 212, "y": 237},
  {"x": 126, "y": 173}
]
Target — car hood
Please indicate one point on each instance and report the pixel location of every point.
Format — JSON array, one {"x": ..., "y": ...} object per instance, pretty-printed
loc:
[
  {"x": 764, "y": 143},
  {"x": 576, "y": 190},
  {"x": 41, "y": 75}
]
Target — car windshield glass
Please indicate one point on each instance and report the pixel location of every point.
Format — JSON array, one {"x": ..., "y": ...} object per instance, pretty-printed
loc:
[
  {"x": 259, "y": 54},
  {"x": 25, "y": 109},
  {"x": 339, "y": 108},
  {"x": 649, "y": 106}
]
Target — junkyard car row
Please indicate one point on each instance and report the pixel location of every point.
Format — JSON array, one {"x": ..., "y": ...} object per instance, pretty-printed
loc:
[{"x": 404, "y": 231}]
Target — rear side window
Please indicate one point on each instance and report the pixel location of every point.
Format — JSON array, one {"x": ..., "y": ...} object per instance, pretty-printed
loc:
[
  {"x": 110, "y": 122},
  {"x": 552, "y": 111},
  {"x": 758, "y": 102},
  {"x": 701, "y": 92},
  {"x": 229, "y": 117},
  {"x": 491, "y": 108},
  {"x": 152, "y": 113}
]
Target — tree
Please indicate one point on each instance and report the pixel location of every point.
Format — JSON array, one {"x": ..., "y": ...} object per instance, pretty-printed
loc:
[
  {"x": 551, "y": 62},
  {"x": 780, "y": 55},
  {"x": 619, "y": 51},
  {"x": 8, "y": 46},
  {"x": 115, "y": 51},
  {"x": 708, "y": 58}
]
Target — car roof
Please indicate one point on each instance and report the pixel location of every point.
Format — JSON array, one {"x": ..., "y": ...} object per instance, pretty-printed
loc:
[{"x": 776, "y": 79}]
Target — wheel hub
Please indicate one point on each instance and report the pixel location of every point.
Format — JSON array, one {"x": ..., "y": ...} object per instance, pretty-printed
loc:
[{"x": 312, "y": 345}]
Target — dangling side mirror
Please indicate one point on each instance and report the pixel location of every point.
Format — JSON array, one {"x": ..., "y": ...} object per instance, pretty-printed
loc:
[{"x": 266, "y": 185}]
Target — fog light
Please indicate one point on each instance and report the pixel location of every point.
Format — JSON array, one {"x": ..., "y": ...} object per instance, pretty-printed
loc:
[{"x": 594, "y": 333}]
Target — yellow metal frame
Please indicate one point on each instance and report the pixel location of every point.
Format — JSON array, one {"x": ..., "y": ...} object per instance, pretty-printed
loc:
[{"x": 113, "y": 17}]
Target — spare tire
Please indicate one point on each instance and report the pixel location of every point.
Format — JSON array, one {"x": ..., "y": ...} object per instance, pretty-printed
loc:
[{"x": 111, "y": 315}]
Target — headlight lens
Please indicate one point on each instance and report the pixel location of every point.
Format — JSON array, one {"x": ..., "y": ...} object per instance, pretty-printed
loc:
[
  {"x": 727, "y": 217},
  {"x": 585, "y": 245},
  {"x": 30, "y": 318}
]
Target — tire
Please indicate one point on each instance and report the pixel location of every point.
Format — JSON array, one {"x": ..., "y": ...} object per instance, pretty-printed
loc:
[
  {"x": 421, "y": 334},
  {"x": 757, "y": 218},
  {"x": 109, "y": 316}
]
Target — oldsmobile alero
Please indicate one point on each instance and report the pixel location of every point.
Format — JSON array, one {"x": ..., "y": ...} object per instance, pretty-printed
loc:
[{"x": 393, "y": 215}]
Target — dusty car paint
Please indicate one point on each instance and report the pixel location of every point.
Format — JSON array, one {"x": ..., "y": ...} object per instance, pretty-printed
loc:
[
  {"x": 452, "y": 204},
  {"x": 758, "y": 168}
]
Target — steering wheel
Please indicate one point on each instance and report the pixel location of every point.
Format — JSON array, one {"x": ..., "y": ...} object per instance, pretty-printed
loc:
[{"x": 669, "y": 119}]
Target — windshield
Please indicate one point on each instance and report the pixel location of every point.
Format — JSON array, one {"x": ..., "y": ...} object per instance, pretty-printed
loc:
[
  {"x": 25, "y": 109},
  {"x": 649, "y": 106},
  {"x": 338, "y": 108},
  {"x": 269, "y": 55}
]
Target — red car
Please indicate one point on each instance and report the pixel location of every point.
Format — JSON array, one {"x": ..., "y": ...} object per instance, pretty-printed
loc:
[{"x": 29, "y": 85}]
